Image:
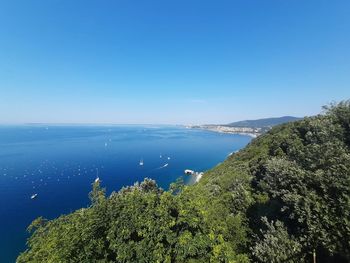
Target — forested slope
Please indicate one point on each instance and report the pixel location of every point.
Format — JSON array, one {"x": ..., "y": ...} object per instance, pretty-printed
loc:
[
  {"x": 281, "y": 199},
  {"x": 261, "y": 123},
  {"x": 299, "y": 189}
]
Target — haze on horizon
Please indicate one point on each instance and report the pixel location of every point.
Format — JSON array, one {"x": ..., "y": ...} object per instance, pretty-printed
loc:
[{"x": 172, "y": 62}]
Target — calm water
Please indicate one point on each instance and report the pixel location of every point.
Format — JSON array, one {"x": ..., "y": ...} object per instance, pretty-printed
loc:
[{"x": 59, "y": 163}]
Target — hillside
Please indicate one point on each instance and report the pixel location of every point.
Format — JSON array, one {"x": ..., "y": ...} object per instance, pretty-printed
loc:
[
  {"x": 291, "y": 186},
  {"x": 283, "y": 198},
  {"x": 266, "y": 122},
  {"x": 252, "y": 128}
]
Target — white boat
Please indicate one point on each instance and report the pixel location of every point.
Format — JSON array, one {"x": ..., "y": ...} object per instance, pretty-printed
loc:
[
  {"x": 188, "y": 171},
  {"x": 97, "y": 178},
  {"x": 33, "y": 196},
  {"x": 168, "y": 158},
  {"x": 141, "y": 162}
]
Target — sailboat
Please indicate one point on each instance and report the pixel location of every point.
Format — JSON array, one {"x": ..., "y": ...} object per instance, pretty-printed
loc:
[
  {"x": 141, "y": 162},
  {"x": 97, "y": 178}
]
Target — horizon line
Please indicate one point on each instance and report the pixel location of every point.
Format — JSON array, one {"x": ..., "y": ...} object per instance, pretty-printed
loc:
[{"x": 132, "y": 124}]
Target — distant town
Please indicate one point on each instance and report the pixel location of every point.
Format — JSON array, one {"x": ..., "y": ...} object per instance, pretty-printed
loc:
[
  {"x": 251, "y": 128},
  {"x": 253, "y": 132}
]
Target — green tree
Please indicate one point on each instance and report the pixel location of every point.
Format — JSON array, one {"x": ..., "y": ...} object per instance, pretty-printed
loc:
[{"x": 275, "y": 245}]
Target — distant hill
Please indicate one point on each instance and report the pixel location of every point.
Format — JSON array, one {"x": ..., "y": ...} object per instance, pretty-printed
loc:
[
  {"x": 266, "y": 122},
  {"x": 252, "y": 128}
]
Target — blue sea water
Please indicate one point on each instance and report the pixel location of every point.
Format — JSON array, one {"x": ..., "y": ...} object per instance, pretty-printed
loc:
[{"x": 59, "y": 163}]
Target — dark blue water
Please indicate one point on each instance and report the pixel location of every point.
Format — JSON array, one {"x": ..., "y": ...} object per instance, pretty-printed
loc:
[{"x": 59, "y": 163}]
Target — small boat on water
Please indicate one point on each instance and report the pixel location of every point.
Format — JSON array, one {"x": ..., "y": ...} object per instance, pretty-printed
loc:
[
  {"x": 97, "y": 177},
  {"x": 33, "y": 196},
  {"x": 141, "y": 162},
  {"x": 198, "y": 175},
  {"x": 168, "y": 158},
  {"x": 188, "y": 171}
]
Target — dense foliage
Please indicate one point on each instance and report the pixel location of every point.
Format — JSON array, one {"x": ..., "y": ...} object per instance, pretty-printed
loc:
[
  {"x": 281, "y": 199},
  {"x": 141, "y": 223}
]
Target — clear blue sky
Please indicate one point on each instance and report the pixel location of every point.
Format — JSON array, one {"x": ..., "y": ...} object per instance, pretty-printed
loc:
[{"x": 171, "y": 61}]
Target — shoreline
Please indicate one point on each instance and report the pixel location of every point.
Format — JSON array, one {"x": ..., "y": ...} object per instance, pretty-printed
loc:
[
  {"x": 198, "y": 176},
  {"x": 253, "y": 135},
  {"x": 251, "y": 132}
]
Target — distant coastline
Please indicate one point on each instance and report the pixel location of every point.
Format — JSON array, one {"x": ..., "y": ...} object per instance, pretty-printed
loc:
[
  {"x": 252, "y": 132},
  {"x": 252, "y": 128}
]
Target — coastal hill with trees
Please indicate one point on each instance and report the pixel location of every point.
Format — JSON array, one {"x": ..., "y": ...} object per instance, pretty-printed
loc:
[
  {"x": 253, "y": 128},
  {"x": 283, "y": 198},
  {"x": 263, "y": 123}
]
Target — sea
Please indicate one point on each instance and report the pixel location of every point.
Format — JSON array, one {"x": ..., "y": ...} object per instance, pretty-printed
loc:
[{"x": 59, "y": 163}]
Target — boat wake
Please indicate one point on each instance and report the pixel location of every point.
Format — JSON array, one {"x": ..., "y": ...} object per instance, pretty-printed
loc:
[{"x": 165, "y": 165}]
